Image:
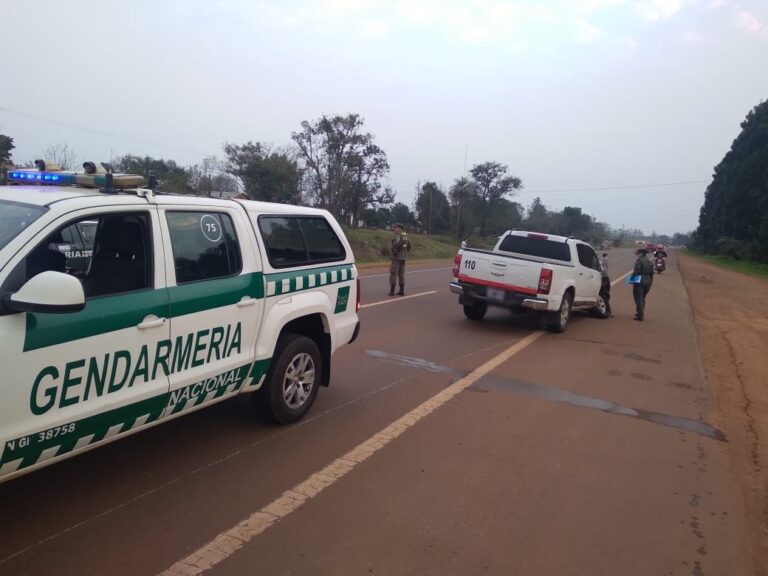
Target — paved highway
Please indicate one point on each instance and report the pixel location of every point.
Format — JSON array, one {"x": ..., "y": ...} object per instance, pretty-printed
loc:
[{"x": 443, "y": 446}]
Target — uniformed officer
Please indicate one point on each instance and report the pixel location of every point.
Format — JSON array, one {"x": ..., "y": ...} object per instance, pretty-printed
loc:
[
  {"x": 399, "y": 248},
  {"x": 605, "y": 284},
  {"x": 644, "y": 269}
]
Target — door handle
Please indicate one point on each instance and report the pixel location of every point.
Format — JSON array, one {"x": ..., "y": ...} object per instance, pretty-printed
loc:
[
  {"x": 246, "y": 301},
  {"x": 151, "y": 321}
]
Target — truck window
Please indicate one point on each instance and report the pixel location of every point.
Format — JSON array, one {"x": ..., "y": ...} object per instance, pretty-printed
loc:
[
  {"x": 204, "y": 246},
  {"x": 587, "y": 257},
  {"x": 300, "y": 240},
  {"x": 538, "y": 247},
  {"x": 119, "y": 260}
]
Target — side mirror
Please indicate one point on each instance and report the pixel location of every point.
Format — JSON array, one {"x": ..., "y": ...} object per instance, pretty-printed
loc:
[{"x": 49, "y": 293}]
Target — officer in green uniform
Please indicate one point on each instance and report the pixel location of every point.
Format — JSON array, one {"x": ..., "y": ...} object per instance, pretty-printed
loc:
[
  {"x": 399, "y": 248},
  {"x": 644, "y": 269}
]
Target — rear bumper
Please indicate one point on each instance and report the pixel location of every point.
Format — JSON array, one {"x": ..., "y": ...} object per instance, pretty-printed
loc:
[{"x": 475, "y": 292}]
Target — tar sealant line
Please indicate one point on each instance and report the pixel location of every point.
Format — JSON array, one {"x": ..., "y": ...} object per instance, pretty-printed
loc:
[
  {"x": 410, "y": 362},
  {"x": 398, "y": 299},
  {"x": 497, "y": 383},
  {"x": 230, "y": 541}
]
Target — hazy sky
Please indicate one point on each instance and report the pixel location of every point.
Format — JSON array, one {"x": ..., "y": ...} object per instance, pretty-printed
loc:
[{"x": 582, "y": 99}]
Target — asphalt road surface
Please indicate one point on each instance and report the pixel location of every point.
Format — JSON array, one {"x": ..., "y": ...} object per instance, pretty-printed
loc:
[{"x": 443, "y": 446}]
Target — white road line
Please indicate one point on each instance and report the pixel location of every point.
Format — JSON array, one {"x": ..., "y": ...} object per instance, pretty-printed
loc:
[
  {"x": 230, "y": 541},
  {"x": 407, "y": 273},
  {"x": 398, "y": 299},
  {"x": 621, "y": 278}
]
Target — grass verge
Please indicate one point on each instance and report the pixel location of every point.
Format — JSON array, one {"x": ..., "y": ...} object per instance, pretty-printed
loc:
[
  {"x": 752, "y": 268},
  {"x": 372, "y": 246}
]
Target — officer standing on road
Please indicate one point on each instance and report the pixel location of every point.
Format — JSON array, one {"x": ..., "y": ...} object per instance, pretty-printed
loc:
[
  {"x": 399, "y": 249},
  {"x": 605, "y": 285},
  {"x": 643, "y": 269}
]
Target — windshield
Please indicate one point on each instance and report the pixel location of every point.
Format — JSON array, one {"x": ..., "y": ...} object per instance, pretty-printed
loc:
[{"x": 14, "y": 217}]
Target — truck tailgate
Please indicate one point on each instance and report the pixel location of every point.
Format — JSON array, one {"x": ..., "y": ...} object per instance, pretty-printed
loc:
[{"x": 506, "y": 272}]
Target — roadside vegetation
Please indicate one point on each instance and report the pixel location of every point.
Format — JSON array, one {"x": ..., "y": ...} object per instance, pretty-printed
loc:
[
  {"x": 334, "y": 163},
  {"x": 733, "y": 223},
  {"x": 758, "y": 269}
]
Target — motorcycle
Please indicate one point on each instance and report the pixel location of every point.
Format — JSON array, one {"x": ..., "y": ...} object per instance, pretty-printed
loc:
[{"x": 659, "y": 265}]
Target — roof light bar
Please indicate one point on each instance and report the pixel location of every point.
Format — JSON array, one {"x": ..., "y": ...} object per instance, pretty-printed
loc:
[{"x": 55, "y": 178}]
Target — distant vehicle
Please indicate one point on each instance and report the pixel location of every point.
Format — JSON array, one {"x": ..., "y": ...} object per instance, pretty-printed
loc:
[{"x": 553, "y": 275}]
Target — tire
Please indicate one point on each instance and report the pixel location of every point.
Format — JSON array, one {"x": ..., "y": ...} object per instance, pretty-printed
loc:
[
  {"x": 601, "y": 308},
  {"x": 475, "y": 310},
  {"x": 558, "y": 321},
  {"x": 292, "y": 381}
]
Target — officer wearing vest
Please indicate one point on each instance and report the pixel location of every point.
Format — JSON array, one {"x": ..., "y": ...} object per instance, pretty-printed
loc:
[
  {"x": 399, "y": 248},
  {"x": 643, "y": 269}
]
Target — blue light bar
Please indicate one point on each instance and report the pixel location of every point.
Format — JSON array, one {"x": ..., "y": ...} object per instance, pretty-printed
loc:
[{"x": 50, "y": 178}]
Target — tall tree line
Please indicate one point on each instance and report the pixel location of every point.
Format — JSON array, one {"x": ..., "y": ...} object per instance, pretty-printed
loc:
[{"x": 734, "y": 218}]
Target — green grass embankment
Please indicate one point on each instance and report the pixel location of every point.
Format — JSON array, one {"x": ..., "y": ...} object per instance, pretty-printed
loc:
[
  {"x": 373, "y": 246},
  {"x": 745, "y": 267}
]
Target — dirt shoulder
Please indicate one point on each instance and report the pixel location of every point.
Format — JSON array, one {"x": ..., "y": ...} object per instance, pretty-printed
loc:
[{"x": 731, "y": 316}]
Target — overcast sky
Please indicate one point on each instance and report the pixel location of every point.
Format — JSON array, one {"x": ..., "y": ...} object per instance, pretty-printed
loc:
[{"x": 584, "y": 100}]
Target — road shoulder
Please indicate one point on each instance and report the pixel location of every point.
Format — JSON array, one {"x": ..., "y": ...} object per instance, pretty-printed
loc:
[{"x": 731, "y": 318}]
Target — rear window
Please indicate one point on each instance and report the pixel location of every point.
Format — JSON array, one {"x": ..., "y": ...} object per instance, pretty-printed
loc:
[
  {"x": 300, "y": 240},
  {"x": 14, "y": 217},
  {"x": 536, "y": 247}
]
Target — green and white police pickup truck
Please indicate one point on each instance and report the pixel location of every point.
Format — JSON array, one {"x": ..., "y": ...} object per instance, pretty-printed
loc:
[{"x": 181, "y": 302}]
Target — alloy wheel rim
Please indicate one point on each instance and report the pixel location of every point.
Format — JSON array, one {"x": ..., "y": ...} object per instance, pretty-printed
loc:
[{"x": 298, "y": 381}]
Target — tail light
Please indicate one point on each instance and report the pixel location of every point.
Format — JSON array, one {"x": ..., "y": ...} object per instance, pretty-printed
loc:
[
  {"x": 456, "y": 264},
  {"x": 545, "y": 281},
  {"x": 357, "y": 303}
]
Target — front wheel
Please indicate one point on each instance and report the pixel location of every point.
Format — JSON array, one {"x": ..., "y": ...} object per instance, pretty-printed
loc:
[
  {"x": 475, "y": 310},
  {"x": 601, "y": 308},
  {"x": 292, "y": 382},
  {"x": 557, "y": 321}
]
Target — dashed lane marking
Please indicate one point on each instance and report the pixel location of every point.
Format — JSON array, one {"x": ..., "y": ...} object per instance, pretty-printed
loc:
[
  {"x": 398, "y": 299},
  {"x": 230, "y": 541},
  {"x": 407, "y": 273}
]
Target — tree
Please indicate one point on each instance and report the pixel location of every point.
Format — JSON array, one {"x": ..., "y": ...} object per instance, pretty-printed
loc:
[
  {"x": 265, "y": 173},
  {"x": 210, "y": 179},
  {"x": 463, "y": 207},
  {"x": 432, "y": 209},
  {"x": 492, "y": 184},
  {"x": 62, "y": 155},
  {"x": 401, "y": 214},
  {"x": 539, "y": 218},
  {"x": 573, "y": 222},
  {"x": 170, "y": 176},
  {"x": 504, "y": 215},
  {"x": 734, "y": 217},
  {"x": 6, "y": 145},
  {"x": 343, "y": 168}
]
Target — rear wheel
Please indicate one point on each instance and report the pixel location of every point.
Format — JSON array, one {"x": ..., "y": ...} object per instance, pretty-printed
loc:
[
  {"x": 292, "y": 382},
  {"x": 557, "y": 321},
  {"x": 476, "y": 310}
]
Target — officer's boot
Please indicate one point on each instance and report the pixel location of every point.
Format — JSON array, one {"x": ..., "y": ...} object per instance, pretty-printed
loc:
[
  {"x": 392, "y": 290},
  {"x": 401, "y": 292}
]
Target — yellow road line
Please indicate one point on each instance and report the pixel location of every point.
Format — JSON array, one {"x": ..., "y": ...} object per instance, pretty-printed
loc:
[{"x": 230, "y": 541}]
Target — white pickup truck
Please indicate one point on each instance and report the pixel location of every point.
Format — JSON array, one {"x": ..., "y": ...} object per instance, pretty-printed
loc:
[
  {"x": 121, "y": 309},
  {"x": 530, "y": 271}
]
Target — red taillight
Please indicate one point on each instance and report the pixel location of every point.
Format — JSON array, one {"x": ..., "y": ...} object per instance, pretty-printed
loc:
[
  {"x": 456, "y": 264},
  {"x": 545, "y": 281},
  {"x": 357, "y": 303}
]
